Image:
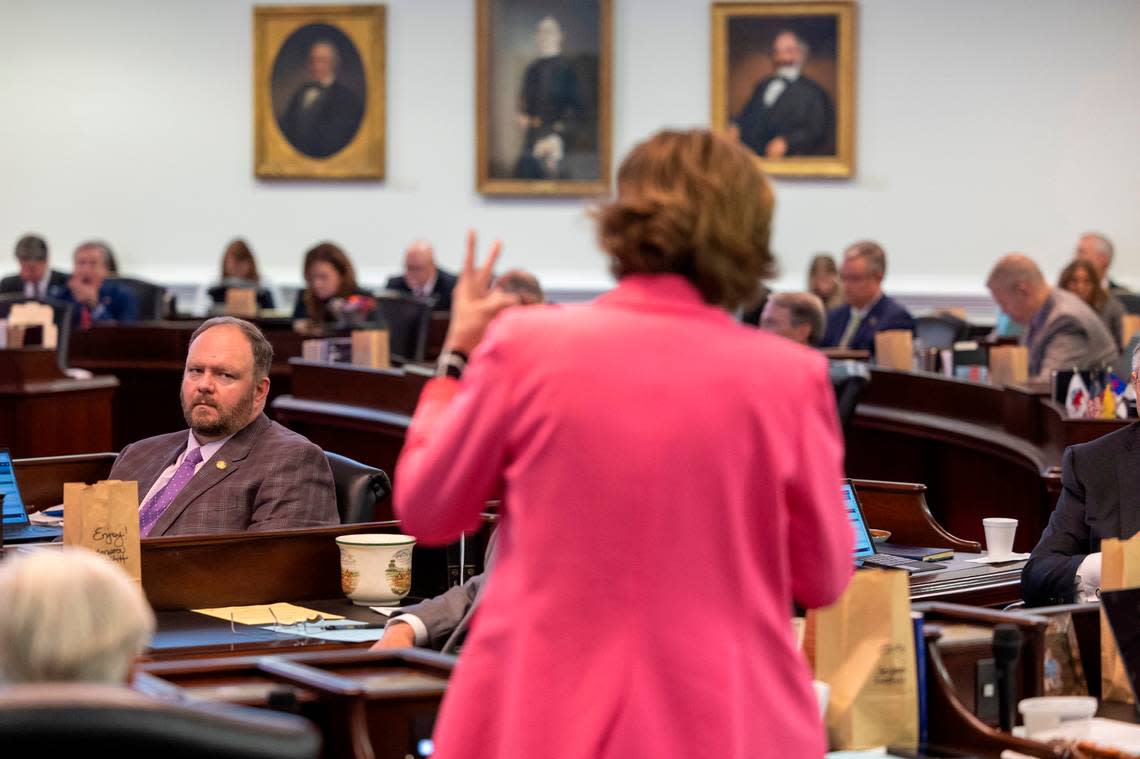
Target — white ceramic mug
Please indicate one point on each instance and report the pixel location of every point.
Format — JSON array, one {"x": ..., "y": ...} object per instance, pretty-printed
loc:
[
  {"x": 999, "y": 536},
  {"x": 376, "y": 569}
]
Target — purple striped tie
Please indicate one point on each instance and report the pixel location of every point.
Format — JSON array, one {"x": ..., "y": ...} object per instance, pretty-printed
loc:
[{"x": 152, "y": 509}]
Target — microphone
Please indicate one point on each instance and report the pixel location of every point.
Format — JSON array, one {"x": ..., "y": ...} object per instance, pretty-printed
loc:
[{"x": 1007, "y": 650}]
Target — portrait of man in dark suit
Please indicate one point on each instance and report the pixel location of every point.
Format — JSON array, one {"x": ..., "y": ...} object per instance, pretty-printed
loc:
[{"x": 324, "y": 110}]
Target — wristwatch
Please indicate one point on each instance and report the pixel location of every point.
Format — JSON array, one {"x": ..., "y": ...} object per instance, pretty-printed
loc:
[{"x": 451, "y": 364}]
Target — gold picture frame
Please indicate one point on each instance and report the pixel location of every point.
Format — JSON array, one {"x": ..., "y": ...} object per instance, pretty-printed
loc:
[
  {"x": 319, "y": 91},
  {"x": 543, "y": 97},
  {"x": 814, "y": 105}
]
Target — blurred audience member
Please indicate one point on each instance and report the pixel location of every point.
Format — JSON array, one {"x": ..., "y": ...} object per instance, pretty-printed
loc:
[
  {"x": 36, "y": 279},
  {"x": 1080, "y": 278},
  {"x": 239, "y": 270},
  {"x": 521, "y": 283},
  {"x": 96, "y": 296},
  {"x": 1060, "y": 330},
  {"x": 823, "y": 281},
  {"x": 867, "y": 309},
  {"x": 70, "y": 615},
  {"x": 796, "y": 316},
  {"x": 329, "y": 277},
  {"x": 1098, "y": 251},
  {"x": 422, "y": 278}
]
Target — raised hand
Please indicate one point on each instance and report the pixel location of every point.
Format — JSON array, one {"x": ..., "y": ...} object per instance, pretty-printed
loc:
[{"x": 473, "y": 303}]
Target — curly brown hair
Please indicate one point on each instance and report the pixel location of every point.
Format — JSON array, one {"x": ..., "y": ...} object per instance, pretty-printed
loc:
[
  {"x": 335, "y": 257},
  {"x": 696, "y": 204}
]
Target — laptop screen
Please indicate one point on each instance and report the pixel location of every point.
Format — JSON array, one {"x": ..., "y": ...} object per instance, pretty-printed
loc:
[
  {"x": 863, "y": 545},
  {"x": 14, "y": 512}
]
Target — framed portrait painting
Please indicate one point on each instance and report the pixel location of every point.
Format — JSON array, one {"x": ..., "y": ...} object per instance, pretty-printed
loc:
[
  {"x": 543, "y": 97},
  {"x": 783, "y": 79},
  {"x": 318, "y": 91}
]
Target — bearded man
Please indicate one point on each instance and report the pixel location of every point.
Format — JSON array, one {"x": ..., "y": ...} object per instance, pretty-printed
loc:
[{"x": 234, "y": 469}]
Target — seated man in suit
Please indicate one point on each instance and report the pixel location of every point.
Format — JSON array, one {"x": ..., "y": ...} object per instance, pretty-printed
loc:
[
  {"x": 96, "y": 297},
  {"x": 36, "y": 279},
  {"x": 422, "y": 278},
  {"x": 1060, "y": 330},
  {"x": 1100, "y": 499},
  {"x": 234, "y": 469},
  {"x": 70, "y": 616},
  {"x": 1098, "y": 251},
  {"x": 867, "y": 309},
  {"x": 796, "y": 316}
]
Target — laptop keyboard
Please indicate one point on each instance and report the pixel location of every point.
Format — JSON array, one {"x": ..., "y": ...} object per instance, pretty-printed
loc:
[{"x": 889, "y": 561}]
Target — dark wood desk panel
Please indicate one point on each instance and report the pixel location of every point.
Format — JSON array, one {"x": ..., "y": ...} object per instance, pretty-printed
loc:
[
  {"x": 148, "y": 359},
  {"x": 964, "y": 582},
  {"x": 43, "y": 412},
  {"x": 981, "y": 451}
]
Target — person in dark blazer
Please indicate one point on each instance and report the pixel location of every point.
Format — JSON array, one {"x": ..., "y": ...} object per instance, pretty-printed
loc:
[
  {"x": 422, "y": 278},
  {"x": 234, "y": 469},
  {"x": 96, "y": 296},
  {"x": 323, "y": 115},
  {"x": 788, "y": 113},
  {"x": 1100, "y": 499},
  {"x": 867, "y": 309},
  {"x": 36, "y": 279}
]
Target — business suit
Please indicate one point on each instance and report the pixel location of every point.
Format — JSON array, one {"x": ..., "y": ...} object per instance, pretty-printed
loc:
[
  {"x": 887, "y": 313},
  {"x": 116, "y": 304},
  {"x": 1066, "y": 333},
  {"x": 802, "y": 115},
  {"x": 1100, "y": 499},
  {"x": 327, "y": 124},
  {"x": 444, "y": 284},
  {"x": 265, "y": 477},
  {"x": 56, "y": 286},
  {"x": 656, "y": 453}
]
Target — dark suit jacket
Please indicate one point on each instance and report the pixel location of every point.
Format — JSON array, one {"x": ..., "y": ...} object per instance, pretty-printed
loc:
[
  {"x": 444, "y": 284},
  {"x": 1100, "y": 498},
  {"x": 57, "y": 285},
  {"x": 116, "y": 303},
  {"x": 326, "y": 126},
  {"x": 886, "y": 314},
  {"x": 273, "y": 479},
  {"x": 802, "y": 115}
]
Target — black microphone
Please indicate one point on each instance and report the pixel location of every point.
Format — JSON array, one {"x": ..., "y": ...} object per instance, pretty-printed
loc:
[{"x": 1007, "y": 650}]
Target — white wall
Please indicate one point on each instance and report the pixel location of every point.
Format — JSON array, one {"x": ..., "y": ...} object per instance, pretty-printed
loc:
[{"x": 983, "y": 126}]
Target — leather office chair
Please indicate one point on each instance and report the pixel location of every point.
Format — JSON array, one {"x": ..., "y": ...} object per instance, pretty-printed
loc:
[
  {"x": 939, "y": 331},
  {"x": 407, "y": 320},
  {"x": 359, "y": 488},
  {"x": 84, "y": 719},
  {"x": 849, "y": 379},
  {"x": 152, "y": 298},
  {"x": 61, "y": 315}
]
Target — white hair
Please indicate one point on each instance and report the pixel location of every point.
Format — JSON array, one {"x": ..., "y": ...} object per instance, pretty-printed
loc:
[{"x": 69, "y": 615}]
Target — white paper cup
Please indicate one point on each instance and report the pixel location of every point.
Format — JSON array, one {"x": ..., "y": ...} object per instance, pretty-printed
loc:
[
  {"x": 376, "y": 569},
  {"x": 822, "y": 694},
  {"x": 999, "y": 536},
  {"x": 1048, "y": 712}
]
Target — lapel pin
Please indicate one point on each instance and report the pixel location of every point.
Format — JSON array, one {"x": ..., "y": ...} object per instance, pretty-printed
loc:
[{"x": 220, "y": 465}]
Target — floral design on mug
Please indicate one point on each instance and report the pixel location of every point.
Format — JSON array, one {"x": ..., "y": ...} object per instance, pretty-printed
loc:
[
  {"x": 399, "y": 572},
  {"x": 349, "y": 574}
]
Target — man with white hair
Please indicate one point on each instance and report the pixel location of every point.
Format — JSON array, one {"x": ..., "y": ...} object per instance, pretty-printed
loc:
[
  {"x": 70, "y": 615},
  {"x": 788, "y": 114},
  {"x": 1100, "y": 499},
  {"x": 1060, "y": 330},
  {"x": 323, "y": 114},
  {"x": 422, "y": 278},
  {"x": 1098, "y": 251}
]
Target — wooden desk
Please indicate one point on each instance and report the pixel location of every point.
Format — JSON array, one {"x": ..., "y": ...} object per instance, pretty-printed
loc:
[
  {"x": 45, "y": 413},
  {"x": 357, "y": 412},
  {"x": 148, "y": 359},
  {"x": 981, "y": 451},
  {"x": 964, "y": 582}
]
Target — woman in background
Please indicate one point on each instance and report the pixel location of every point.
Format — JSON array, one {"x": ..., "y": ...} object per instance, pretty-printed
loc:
[
  {"x": 239, "y": 269},
  {"x": 1079, "y": 278},
  {"x": 650, "y": 453},
  {"x": 823, "y": 281},
  {"x": 329, "y": 276}
]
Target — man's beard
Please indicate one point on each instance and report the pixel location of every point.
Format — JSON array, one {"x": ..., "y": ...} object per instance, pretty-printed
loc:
[{"x": 229, "y": 420}]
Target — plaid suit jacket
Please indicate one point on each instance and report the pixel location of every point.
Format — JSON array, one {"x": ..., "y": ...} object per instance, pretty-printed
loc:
[{"x": 272, "y": 479}]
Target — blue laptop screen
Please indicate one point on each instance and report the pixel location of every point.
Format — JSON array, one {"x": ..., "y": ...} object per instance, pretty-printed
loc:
[
  {"x": 13, "y": 507},
  {"x": 863, "y": 547}
]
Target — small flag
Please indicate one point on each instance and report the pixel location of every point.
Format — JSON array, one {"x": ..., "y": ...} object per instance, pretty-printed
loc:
[
  {"x": 1108, "y": 404},
  {"x": 1076, "y": 397}
]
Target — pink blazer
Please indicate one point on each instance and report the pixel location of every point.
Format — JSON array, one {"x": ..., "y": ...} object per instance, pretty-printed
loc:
[{"x": 670, "y": 483}]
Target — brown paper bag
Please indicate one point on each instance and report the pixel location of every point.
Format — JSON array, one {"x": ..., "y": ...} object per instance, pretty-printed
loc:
[
  {"x": 104, "y": 517},
  {"x": 1129, "y": 326},
  {"x": 1119, "y": 569},
  {"x": 370, "y": 348},
  {"x": 241, "y": 301},
  {"x": 864, "y": 649},
  {"x": 894, "y": 349},
  {"x": 1009, "y": 365}
]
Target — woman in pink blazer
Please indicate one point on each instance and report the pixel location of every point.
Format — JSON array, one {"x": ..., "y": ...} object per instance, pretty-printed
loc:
[{"x": 669, "y": 480}]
